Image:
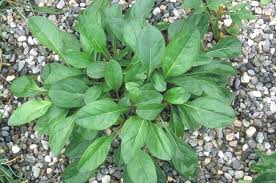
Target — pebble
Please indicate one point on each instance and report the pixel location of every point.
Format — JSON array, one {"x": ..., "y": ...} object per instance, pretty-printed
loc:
[
  {"x": 60, "y": 4},
  {"x": 245, "y": 78},
  {"x": 250, "y": 131},
  {"x": 236, "y": 164},
  {"x": 227, "y": 22},
  {"x": 21, "y": 38},
  {"x": 36, "y": 171},
  {"x": 106, "y": 179},
  {"x": 255, "y": 94},
  {"x": 15, "y": 149},
  {"x": 230, "y": 136},
  {"x": 255, "y": 3},
  {"x": 239, "y": 174},
  {"x": 156, "y": 11},
  {"x": 48, "y": 159},
  {"x": 260, "y": 137},
  {"x": 10, "y": 78}
]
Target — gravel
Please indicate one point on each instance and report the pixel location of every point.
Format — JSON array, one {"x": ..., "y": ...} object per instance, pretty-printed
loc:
[{"x": 224, "y": 154}]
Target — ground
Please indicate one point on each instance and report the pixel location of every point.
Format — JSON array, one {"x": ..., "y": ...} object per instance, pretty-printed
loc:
[{"x": 224, "y": 154}]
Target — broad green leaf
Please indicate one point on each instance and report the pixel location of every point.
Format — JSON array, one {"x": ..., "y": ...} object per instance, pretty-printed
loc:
[
  {"x": 135, "y": 73},
  {"x": 132, "y": 30},
  {"x": 90, "y": 28},
  {"x": 45, "y": 122},
  {"x": 215, "y": 4},
  {"x": 79, "y": 141},
  {"x": 95, "y": 70},
  {"x": 77, "y": 59},
  {"x": 68, "y": 93},
  {"x": 113, "y": 75},
  {"x": 86, "y": 46},
  {"x": 150, "y": 48},
  {"x": 225, "y": 48},
  {"x": 266, "y": 162},
  {"x": 265, "y": 2},
  {"x": 46, "y": 33},
  {"x": 117, "y": 157},
  {"x": 99, "y": 115},
  {"x": 124, "y": 102},
  {"x": 126, "y": 177},
  {"x": 141, "y": 168},
  {"x": 158, "y": 142},
  {"x": 149, "y": 111},
  {"x": 184, "y": 158},
  {"x": 265, "y": 177},
  {"x": 25, "y": 86},
  {"x": 177, "y": 95},
  {"x": 141, "y": 10},
  {"x": 95, "y": 154},
  {"x": 195, "y": 4},
  {"x": 70, "y": 43},
  {"x": 161, "y": 177},
  {"x": 214, "y": 67},
  {"x": 198, "y": 85},
  {"x": 29, "y": 111},
  {"x": 114, "y": 20},
  {"x": 202, "y": 60},
  {"x": 93, "y": 93},
  {"x": 181, "y": 53},
  {"x": 193, "y": 22},
  {"x": 133, "y": 135},
  {"x": 158, "y": 81},
  {"x": 72, "y": 174},
  {"x": 60, "y": 133},
  {"x": 52, "y": 73},
  {"x": 210, "y": 112},
  {"x": 187, "y": 120},
  {"x": 176, "y": 126}
]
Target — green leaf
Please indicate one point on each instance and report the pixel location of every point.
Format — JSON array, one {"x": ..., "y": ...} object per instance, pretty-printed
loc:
[
  {"x": 161, "y": 177},
  {"x": 184, "y": 158},
  {"x": 77, "y": 59},
  {"x": 176, "y": 126},
  {"x": 95, "y": 154},
  {"x": 133, "y": 135},
  {"x": 266, "y": 162},
  {"x": 99, "y": 115},
  {"x": 214, "y": 67},
  {"x": 60, "y": 133},
  {"x": 265, "y": 2},
  {"x": 141, "y": 10},
  {"x": 187, "y": 120},
  {"x": 150, "y": 48},
  {"x": 215, "y": 4},
  {"x": 158, "y": 142},
  {"x": 141, "y": 168},
  {"x": 93, "y": 93},
  {"x": 225, "y": 48},
  {"x": 79, "y": 141},
  {"x": 53, "y": 73},
  {"x": 195, "y": 4},
  {"x": 177, "y": 95},
  {"x": 114, "y": 20},
  {"x": 210, "y": 112},
  {"x": 202, "y": 60},
  {"x": 181, "y": 53},
  {"x": 25, "y": 86},
  {"x": 149, "y": 111},
  {"x": 113, "y": 75},
  {"x": 117, "y": 157},
  {"x": 158, "y": 81},
  {"x": 72, "y": 174},
  {"x": 45, "y": 122},
  {"x": 126, "y": 177},
  {"x": 132, "y": 30},
  {"x": 95, "y": 70},
  {"x": 46, "y": 33},
  {"x": 90, "y": 28},
  {"x": 70, "y": 43},
  {"x": 68, "y": 93},
  {"x": 266, "y": 177},
  {"x": 29, "y": 111},
  {"x": 198, "y": 86},
  {"x": 135, "y": 73}
]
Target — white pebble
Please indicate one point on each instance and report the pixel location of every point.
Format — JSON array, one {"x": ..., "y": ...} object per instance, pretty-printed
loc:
[
  {"x": 273, "y": 107},
  {"x": 15, "y": 149},
  {"x": 250, "y": 42},
  {"x": 48, "y": 159},
  {"x": 33, "y": 146},
  {"x": 49, "y": 170},
  {"x": 255, "y": 94},
  {"x": 36, "y": 171},
  {"x": 255, "y": 3},
  {"x": 220, "y": 154},
  {"x": 60, "y": 4},
  {"x": 245, "y": 78},
  {"x": 30, "y": 40},
  {"x": 250, "y": 131},
  {"x": 22, "y": 38},
  {"x": 106, "y": 179},
  {"x": 156, "y": 11},
  {"x": 10, "y": 78},
  {"x": 227, "y": 22}
]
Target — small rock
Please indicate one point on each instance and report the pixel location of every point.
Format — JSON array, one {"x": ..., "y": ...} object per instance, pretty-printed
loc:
[
  {"x": 21, "y": 38},
  {"x": 60, "y": 4},
  {"x": 255, "y": 3},
  {"x": 260, "y": 137},
  {"x": 249, "y": 178},
  {"x": 230, "y": 136},
  {"x": 10, "y": 78},
  {"x": 266, "y": 46},
  {"x": 156, "y": 11},
  {"x": 245, "y": 78},
  {"x": 250, "y": 42},
  {"x": 250, "y": 131},
  {"x": 236, "y": 164},
  {"x": 35, "y": 171},
  {"x": 49, "y": 170},
  {"x": 48, "y": 159},
  {"x": 33, "y": 146},
  {"x": 237, "y": 123},
  {"x": 106, "y": 179},
  {"x": 273, "y": 107},
  {"x": 255, "y": 94},
  {"x": 227, "y": 22},
  {"x": 239, "y": 174},
  {"x": 15, "y": 149}
]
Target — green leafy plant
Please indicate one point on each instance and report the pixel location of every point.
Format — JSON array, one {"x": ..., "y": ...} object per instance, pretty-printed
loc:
[
  {"x": 125, "y": 80},
  {"x": 266, "y": 167},
  {"x": 7, "y": 174},
  {"x": 215, "y": 10}
]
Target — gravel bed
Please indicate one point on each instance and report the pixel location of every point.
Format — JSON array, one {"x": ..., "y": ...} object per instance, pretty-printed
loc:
[{"x": 224, "y": 154}]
